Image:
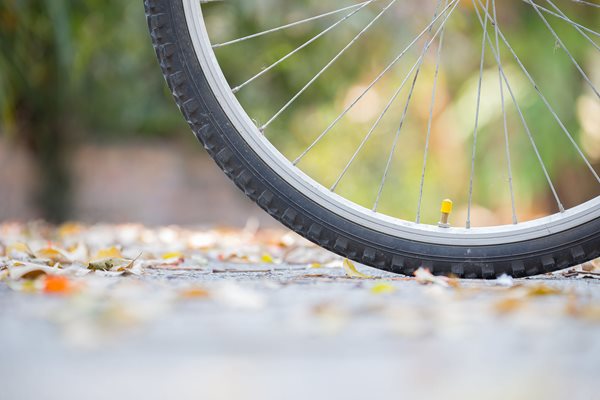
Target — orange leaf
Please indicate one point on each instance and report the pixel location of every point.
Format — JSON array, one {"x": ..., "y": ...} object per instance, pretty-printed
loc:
[
  {"x": 194, "y": 293},
  {"x": 57, "y": 284}
]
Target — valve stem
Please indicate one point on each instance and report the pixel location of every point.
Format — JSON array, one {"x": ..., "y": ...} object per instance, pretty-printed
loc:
[{"x": 446, "y": 209}]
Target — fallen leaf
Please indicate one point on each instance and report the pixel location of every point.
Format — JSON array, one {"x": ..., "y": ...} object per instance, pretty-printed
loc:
[
  {"x": 171, "y": 259},
  {"x": 79, "y": 252},
  {"x": 267, "y": 258},
  {"x": 508, "y": 305},
  {"x": 424, "y": 276},
  {"x": 234, "y": 257},
  {"x": 54, "y": 254},
  {"x": 109, "y": 252},
  {"x": 26, "y": 270},
  {"x": 542, "y": 290},
  {"x": 287, "y": 240},
  {"x": 382, "y": 288},
  {"x": 588, "y": 267},
  {"x": 195, "y": 292},
  {"x": 351, "y": 270},
  {"x": 19, "y": 251},
  {"x": 110, "y": 264},
  {"x": 57, "y": 284},
  {"x": 173, "y": 255},
  {"x": 69, "y": 228}
]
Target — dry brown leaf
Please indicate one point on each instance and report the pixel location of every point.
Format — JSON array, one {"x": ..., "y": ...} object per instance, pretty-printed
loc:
[
  {"x": 588, "y": 267},
  {"x": 424, "y": 276}
]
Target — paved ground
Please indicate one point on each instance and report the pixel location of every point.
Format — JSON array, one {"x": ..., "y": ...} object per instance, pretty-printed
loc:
[{"x": 221, "y": 314}]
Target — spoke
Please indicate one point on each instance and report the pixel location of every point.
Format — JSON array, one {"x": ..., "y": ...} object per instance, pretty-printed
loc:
[
  {"x": 475, "y": 130},
  {"x": 563, "y": 17},
  {"x": 560, "y": 42},
  {"x": 416, "y": 65},
  {"x": 326, "y": 67},
  {"x": 587, "y": 3},
  {"x": 372, "y": 129},
  {"x": 520, "y": 112},
  {"x": 402, "y": 119},
  {"x": 374, "y": 82},
  {"x": 429, "y": 123},
  {"x": 290, "y": 25},
  {"x": 589, "y": 39},
  {"x": 544, "y": 99},
  {"x": 504, "y": 118},
  {"x": 296, "y": 50}
]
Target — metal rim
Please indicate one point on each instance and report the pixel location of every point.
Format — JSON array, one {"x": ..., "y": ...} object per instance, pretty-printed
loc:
[{"x": 335, "y": 203}]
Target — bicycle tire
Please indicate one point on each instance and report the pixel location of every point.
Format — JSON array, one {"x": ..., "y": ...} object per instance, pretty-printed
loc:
[{"x": 213, "y": 128}]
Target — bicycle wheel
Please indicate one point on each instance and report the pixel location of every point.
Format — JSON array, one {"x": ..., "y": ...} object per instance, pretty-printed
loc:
[{"x": 458, "y": 104}]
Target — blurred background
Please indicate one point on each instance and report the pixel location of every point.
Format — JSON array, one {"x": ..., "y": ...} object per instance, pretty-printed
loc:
[{"x": 88, "y": 129}]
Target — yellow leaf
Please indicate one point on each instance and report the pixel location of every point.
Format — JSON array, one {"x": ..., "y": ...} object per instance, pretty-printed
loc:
[
  {"x": 315, "y": 265},
  {"x": 29, "y": 286},
  {"x": 54, "y": 254},
  {"x": 382, "y": 288},
  {"x": 267, "y": 258},
  {"x": 173, "y": 254},
  {"x": 78, "y": 252},
  {"x": 351, "y": 270},
  {"x": 542, "y": 290},
  {"x": 109, "y": 252},
  {"x": 19, "y": 250},
  {"x": 69, "y": 228}
]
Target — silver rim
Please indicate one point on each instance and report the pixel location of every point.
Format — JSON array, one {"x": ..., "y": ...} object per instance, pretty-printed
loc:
[{"x": 472, "y": 236}]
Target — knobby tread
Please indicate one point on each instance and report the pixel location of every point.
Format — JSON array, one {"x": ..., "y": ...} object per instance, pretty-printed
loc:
[{"x": 257, "y": 180}]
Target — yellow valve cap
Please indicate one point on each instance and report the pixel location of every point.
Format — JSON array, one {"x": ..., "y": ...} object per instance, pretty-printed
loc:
[{"x": 446, "y": 206}]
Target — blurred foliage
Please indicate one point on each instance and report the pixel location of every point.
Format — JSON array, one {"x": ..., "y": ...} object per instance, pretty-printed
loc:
[
  {"x": 452, "y": 132},
  {"x": 90, "y": 61},
  {"x": 72, "y": 71}
]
